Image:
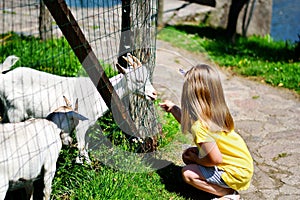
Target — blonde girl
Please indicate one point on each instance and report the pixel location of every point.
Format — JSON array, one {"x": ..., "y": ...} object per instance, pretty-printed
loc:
[{"x": 220, "y": 163}]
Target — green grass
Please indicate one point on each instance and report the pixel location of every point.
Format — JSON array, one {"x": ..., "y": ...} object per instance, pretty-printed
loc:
[
  {"x": 115, "y": 175},
  {"x": 170, "y": 128},
  {"x": 273, "y": 62},
  {"x": 102, "y": 182},
  {"x": 124, "y": 176},
  {"x": 82, "y": 182},
  {"x": 53, "y": 56},
  {"x": 127, "y": 177}
]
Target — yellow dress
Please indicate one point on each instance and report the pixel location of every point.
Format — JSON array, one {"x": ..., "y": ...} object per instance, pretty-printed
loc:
[{"x": 237, "y": 161}]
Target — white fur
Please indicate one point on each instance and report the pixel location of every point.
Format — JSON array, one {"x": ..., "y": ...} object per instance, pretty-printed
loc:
[
  {"x": 28, "y": 147},
  {"x": 28, "y": 93}
]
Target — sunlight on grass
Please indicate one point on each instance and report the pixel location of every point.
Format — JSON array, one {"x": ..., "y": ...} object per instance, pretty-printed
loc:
[
  {"x": 121, "y": 176},
  {"x": 271, "y": 61}
]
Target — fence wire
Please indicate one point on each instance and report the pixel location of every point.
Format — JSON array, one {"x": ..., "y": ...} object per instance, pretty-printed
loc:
[{"x": 112, "y": 27}]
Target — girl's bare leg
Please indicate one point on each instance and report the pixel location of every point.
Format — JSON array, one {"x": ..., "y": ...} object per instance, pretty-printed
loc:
[{"x": 192, "y": 175}]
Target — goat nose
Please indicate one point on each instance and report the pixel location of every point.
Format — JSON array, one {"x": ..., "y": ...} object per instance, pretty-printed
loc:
[{"x": 154, "y": 94}]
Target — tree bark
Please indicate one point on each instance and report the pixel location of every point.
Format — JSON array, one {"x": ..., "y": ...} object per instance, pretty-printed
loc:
[
  {"x": 160, "y": 13},
  {"x": 234, "y": 11},
  {"x": 211, "y": 3},
  {"x": 45, "y": 22}
]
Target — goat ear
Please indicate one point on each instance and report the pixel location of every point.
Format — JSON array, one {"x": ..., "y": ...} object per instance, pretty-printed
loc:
[
  {"x": 136, "y": 61},
  {"x": 68, "y": 103},
  {"x": 129, "y": 59},
  {"x": 76, "y": 105},
  {"x": 120, "y": 68},
  {"x": 76, "y": 115},
  {"x": 132, "y": 60},
  {"x": 8, "y": 63}
]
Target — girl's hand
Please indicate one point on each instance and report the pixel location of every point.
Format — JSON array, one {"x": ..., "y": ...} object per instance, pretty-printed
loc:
[
  {"x": 171, "y": 107},
  {"x": 167, "y": 105}
]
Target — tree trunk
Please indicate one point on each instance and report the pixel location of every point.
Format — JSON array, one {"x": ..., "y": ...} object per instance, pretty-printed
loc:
[
  {"x": 160, "y": 13},
  {"x": 235, "y": 9},
  {"x": 45, "y": 22},
  {"x": 211, "y": 3}
]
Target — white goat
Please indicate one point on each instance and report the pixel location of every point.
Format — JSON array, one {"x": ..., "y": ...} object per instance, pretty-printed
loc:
[
  {"x": 25, "y": 93},
  {"x": 32, "y": 146}
]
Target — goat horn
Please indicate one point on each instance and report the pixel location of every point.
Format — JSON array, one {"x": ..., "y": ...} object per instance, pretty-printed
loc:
[
  {"x": 120, "y": 68},
  {"x": 68, "y": 103},
  {"x": 128, "y": 60},
  {"x": 137, "y": 61},
  {"x": 76, "y": 105}
]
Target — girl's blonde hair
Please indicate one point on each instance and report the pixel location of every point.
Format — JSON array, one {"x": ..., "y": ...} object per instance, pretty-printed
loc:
[{"x": 203, "y": 99}]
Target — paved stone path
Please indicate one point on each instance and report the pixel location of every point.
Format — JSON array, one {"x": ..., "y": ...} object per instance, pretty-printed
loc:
[{"x": 266, "y": 117}]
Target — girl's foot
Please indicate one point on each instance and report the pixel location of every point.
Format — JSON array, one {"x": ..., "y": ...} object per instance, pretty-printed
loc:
[{"x": 234, "y": 196}]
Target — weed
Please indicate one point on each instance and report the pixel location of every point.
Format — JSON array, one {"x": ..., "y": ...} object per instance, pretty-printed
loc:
[{"x": 281, "y": 155}]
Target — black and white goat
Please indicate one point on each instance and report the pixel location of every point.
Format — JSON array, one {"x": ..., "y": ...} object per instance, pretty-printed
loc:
[{"x": 30, "y": 147}]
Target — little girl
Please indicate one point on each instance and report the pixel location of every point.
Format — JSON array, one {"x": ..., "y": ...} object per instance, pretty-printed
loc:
[{"x": 221, "y": 163}]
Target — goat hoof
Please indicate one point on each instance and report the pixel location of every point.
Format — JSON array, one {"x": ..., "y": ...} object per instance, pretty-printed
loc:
[
  {"x": 79, "y": 160},
  {"x": 88, "y": 161}
]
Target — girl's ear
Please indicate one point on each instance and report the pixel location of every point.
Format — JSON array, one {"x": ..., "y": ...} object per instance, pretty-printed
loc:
[{"x": 182, "y": 71}]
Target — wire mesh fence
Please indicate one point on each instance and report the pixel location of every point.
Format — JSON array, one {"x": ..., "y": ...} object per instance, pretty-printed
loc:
[
  {"x": 45, "y": 68},
  {"x": 100, "y": 21}
]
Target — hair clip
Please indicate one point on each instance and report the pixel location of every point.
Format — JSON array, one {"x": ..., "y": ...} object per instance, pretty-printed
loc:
[{"x": 182, "y": 71}]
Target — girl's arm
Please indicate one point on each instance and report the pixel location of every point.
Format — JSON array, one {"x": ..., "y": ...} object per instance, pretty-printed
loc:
[
  {"x": 210, "y": 155},
  {"x": 169, "y": 106}
]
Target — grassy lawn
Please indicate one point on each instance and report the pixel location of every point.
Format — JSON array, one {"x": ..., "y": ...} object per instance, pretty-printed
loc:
[
  {"x": 102, "y": 182},
  {"x": 130, "y": 177},
  {"x": 133, "y": 178},
  {"x": 273, "y": 62},
  {"x": 260, "y": 57}
]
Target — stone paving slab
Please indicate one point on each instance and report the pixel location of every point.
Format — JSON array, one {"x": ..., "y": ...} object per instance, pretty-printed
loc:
[
  {"x": 266, "y": 117},
  {"x": 182, "y": 11}
]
